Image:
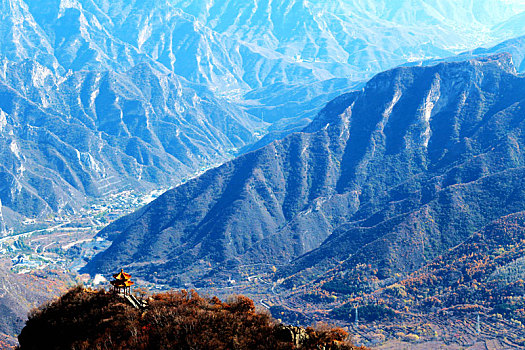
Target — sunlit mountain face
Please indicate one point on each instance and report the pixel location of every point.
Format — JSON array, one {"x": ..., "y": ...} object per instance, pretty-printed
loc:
[{"x": 360, "y": 37}]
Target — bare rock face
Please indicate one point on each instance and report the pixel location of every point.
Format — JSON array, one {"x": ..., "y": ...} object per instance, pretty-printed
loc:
[
  {"x": 3, "y": 230},
  {"x": 291, "y": 334}
]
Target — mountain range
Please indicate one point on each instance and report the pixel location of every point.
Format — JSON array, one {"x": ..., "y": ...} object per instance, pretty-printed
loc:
[
  {"x": 91, "y": 133},
  {"x": 336, "y": 178},
  {"x": 392, "y": 176},
  {"x": 102, "y": 96}
]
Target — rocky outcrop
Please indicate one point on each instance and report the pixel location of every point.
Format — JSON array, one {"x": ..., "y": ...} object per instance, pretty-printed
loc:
[
  {"x": 3, "y": 230},
  {"x": 291, "y": 334}
]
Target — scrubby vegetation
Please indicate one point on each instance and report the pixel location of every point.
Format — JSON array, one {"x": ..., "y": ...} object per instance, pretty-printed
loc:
[
  {"x": 486, "y": 271},
  {"x": 83, "y": 319}
]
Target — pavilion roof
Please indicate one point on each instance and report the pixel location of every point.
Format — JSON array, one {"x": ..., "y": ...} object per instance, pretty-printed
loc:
[
  {"x": 122, "y": 275},
  {"x": 121, "y": 283}
]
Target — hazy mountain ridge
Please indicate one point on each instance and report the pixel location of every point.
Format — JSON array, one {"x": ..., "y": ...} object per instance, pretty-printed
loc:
[
  {"x": 85, "y": 62},
  {"x": 97, "y": 132},
  {"x": 339, "y": 33},
  {"x": 515, "y": 47},
  {"x": 101, "y": 35}
]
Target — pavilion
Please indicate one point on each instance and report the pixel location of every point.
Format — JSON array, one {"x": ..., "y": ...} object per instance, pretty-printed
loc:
[{"x": 122, "y": 284}]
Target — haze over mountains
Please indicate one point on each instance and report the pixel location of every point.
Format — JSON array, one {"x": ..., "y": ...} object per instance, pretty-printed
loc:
[
  {"x": 100, "y": 96},
  {"x": 89, "y": 133},
  {"x": 354, "y": 38}
]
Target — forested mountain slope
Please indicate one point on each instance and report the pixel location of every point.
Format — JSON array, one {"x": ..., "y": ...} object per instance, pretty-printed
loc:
[{"x": 394, "y": 174}]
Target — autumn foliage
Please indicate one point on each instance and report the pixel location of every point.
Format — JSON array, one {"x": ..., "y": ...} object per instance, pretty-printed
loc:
[{"x": 83, "y": 319}]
